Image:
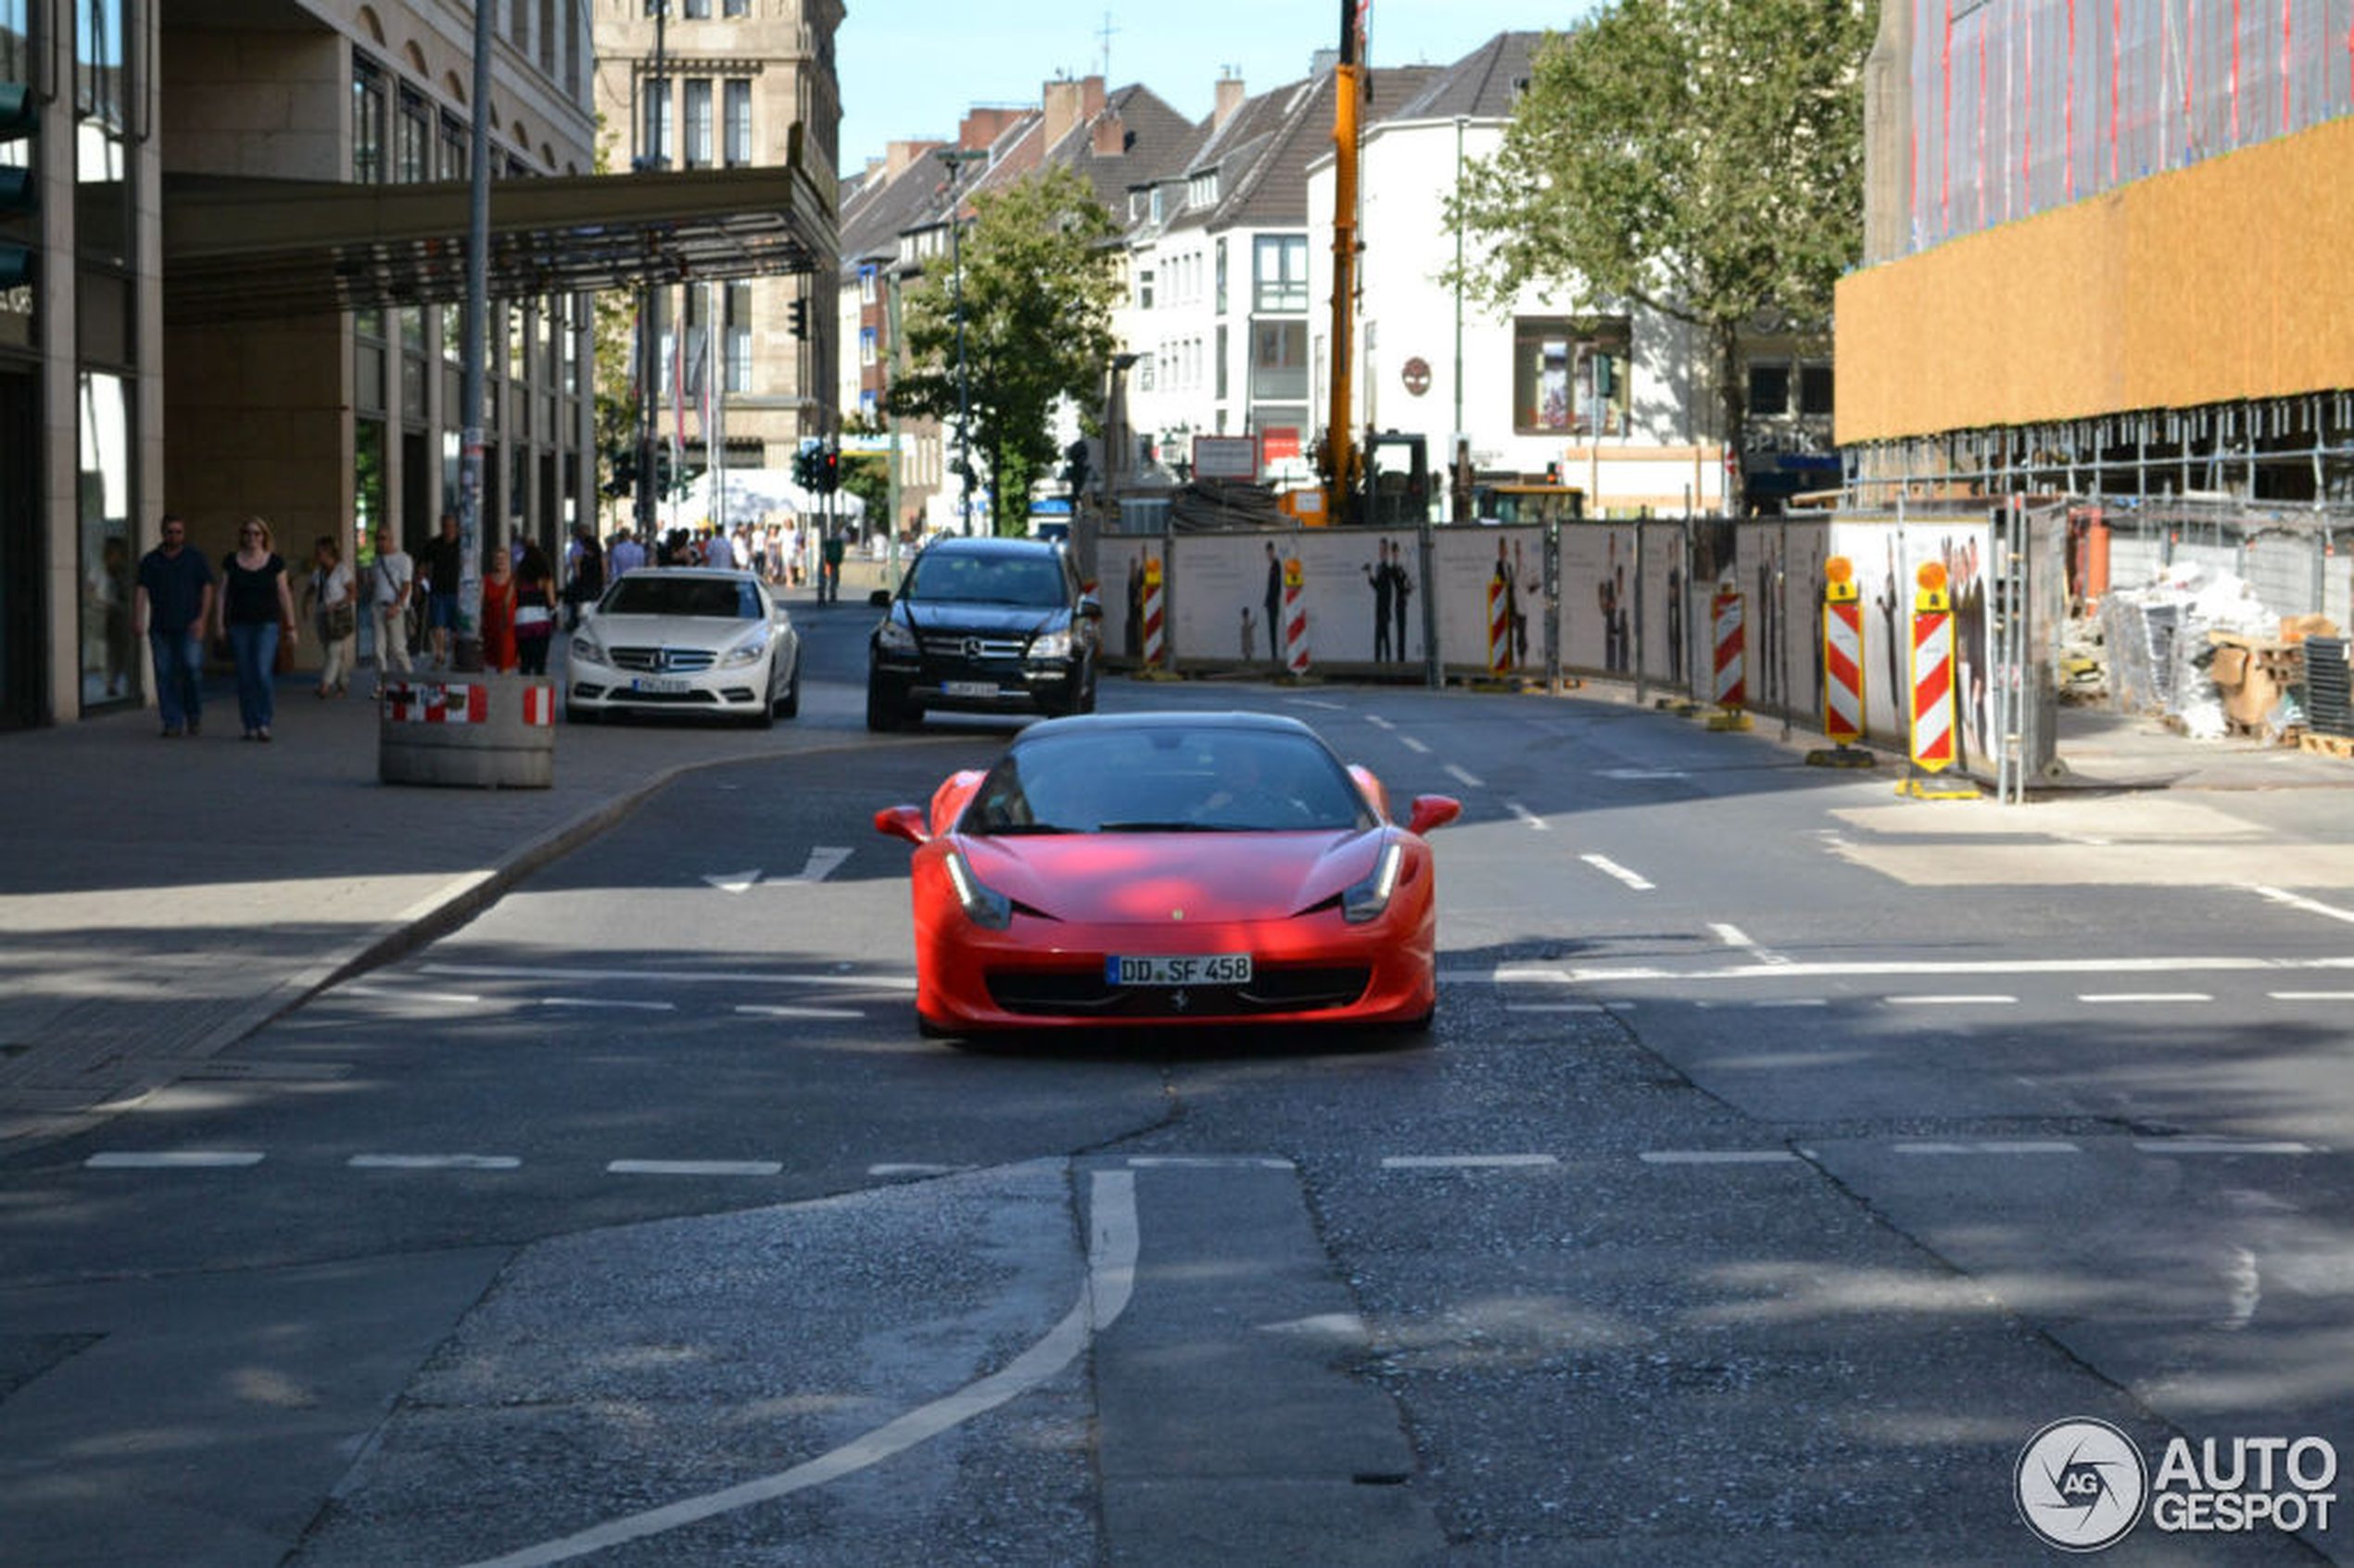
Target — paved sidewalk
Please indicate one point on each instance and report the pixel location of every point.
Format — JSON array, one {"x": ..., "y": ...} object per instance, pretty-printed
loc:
[{"x": 160, "y": 900}]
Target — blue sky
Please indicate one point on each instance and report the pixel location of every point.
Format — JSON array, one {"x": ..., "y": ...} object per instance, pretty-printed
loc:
[{"x": 910, "y": 68}]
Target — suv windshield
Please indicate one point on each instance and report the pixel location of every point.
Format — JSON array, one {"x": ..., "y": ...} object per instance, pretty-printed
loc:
[
  {"x": 1177, "y": 779},
  {"x": 959, "y": 577},
  {"x": 713, "y": 598}
]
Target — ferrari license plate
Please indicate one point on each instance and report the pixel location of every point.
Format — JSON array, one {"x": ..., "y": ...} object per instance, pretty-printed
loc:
[
  {"x": 657, "y": 683},
  {"x": 1191, "y": 968},
  {"x": 968, "y": 689}
]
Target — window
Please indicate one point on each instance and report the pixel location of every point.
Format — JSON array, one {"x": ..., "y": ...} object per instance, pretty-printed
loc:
[
  {"x": 738, "y": 113},
  {"x": 412, "y": 139},
  {"x": 696, "y": 10},
  {"x": 110, "y": 661},
  {"x": 739, "y": 343},
  {"x": 1280, "y": 272},
  {"x": 1815, "y": 389},
  {"x": 1145, "y": 290},
  {"x": 1222, "y": 277},
  {"x": 1154, "y": 204},
  {"x": 1222, "y": 345},
  {"x": 367, "y": 120},
  {"x": 867, "y": 346},
  {"x": 866, "y": 284},
  {"x": 736, "y": 9},
  {"x": 1569, "y": 375},
  {"x": 454, "y": 139},
  {"x": 1769, "y": 390},
  {"x": 697, "y": 111},
  {"x": 1278, "y": 360},
  {"x": 548, "y": 37},
  {"x": 656, "y": 131}
]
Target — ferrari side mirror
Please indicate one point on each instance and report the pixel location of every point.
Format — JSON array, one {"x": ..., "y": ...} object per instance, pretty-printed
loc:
[
  {"x": 1430, "y": 811},
  {"x": 902, "y": 822}
]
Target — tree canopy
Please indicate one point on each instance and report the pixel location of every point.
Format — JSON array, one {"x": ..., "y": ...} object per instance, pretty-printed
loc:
[
  {"x": 1703, "y": 158},
  {"x": 1040, "y": 276}
]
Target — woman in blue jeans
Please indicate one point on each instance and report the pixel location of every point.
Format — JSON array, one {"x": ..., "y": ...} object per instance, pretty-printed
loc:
[{"x": 256, "y": 608}]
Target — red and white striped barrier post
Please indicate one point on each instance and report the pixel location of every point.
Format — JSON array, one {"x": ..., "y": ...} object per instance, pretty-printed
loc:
[
  {"x": 1500, "y": 628},
  {"x": 421, "y": 701},
  {"x": 1729, "y": 687},
  {"x": 1842, "y": 667},
  {"x": 1155, "y": 644},
  {"x": 1932, "y": 690},
  {"x": 1295, "y": 618}
]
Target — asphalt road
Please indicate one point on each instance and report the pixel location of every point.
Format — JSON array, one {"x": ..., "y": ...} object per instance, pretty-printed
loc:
[{"x": 1784, "y": 1158}]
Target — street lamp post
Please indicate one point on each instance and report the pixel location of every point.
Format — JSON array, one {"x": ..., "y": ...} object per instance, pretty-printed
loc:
[
  {"x": 466, "y": 651},
  {"x": 648, "y": 374},
  {"x": 955, "y": 158}
]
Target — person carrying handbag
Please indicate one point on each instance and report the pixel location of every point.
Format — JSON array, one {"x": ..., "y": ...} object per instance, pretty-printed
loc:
[
  {"x": 534, "y": 610},
  {"x": 333, "y": 599}
]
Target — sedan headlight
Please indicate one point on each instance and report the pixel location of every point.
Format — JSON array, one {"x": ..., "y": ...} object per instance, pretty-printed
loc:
[
  {"x": 984, "y": 906},
  {"x": 745, "y": 653},
  {"x": 586, "y": 647},
  {"x": 1369, "y": 898},
  {"x": 892, "y": 638},
  {"x": 1054, "y": 645}
]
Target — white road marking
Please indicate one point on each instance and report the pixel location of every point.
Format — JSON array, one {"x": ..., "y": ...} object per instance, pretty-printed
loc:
[
  {"x": 1719, "y": 1156},
  {"x": 1733, "y": 936},
  {"x": 694, "y": 1168},
  {"x": 1555, "y": 1007},
  {"x": 1640, "y": 773},
  {"x": 732, "y": 881},
  {"x": 185, "y": 1159},
  {"x": 1990, "y": 1146},
  {"x": 1465, "y": 1162},
  {"x": 434, "y": 1162},
  {"x": 1112, "y": 1279},
  {"x": 1528, "y": 816},
  {"x": 2312, "y": 995},
  {"x": 1464, "y": 776},
  {"x": 1610, "y": 867},
  {"x": 1902, "y": 969},
  {"x": 1788, "y": 1002},
  {"x": 672, "y": 977},
  {"x": 1501, "y": 975},
  {"x": 2310, "y": 906},
  {"x": 1378, "y": 721},
  {"x": 917, "y": 1170},
  {"x": 1952, "y": 999},
  {"x": 390, "y": 993},
  {"x": 2221, "y": 1147},
  {"x": 1210, "y": 1162},
  {"x": 609, "y": 1002},
  {"x": 1414, "y": 745},
  {"x": 1318, "y": 702},
  {"x": 780, "y": 1012},
  {"x": 2244, "y": 1286},
  {"x": 2106, "y": 996},
  {"x": 824, "y": 861}
]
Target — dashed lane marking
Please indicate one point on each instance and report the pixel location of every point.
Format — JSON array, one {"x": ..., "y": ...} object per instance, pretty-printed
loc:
[
  {"x": 1210, "y": 1162},
  {"x": 618, "y": 1001},
  {"x": 1953, "y": 999},
  {"x": 1719, "y": 1156},
  {"x": 1555, "y": 1007},
  {"x": 2098, "y": 997},
  {"x": 391, "y": 994},
  {"x": 2312, "y": 995},
  {"x": 1898, "y": 968},
  {"x": 1112, "y": 1279},
  {"x": 1414, "y": 745},
  {"x": 673, "y": 977},
  {"x": 1990, "y": 1147},
  {"x": 694, "y": 1168},
  {"x": 1464, "y": 776},
  {"x": 180, "y": 1159},
  {"x": 2222, "y": 1147},
  {"x": 915, "y": 1168},
  {"x": 758, "y": 1010},
  {"x": 1528, "y": 816},
  {"x": 434, "y": 1162},
  {"x": 1610, "y": 867},
  {"x": 1467, "y": 1163},
  {"x": 1378, "y": 721}
]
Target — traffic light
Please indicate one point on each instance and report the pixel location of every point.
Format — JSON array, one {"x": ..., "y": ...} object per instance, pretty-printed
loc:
[
  {"x": 829, "y": 467},
  {"x": 1552, "y": 473},
  {"x": 624, "y": 479},
  {"x": 797, "y": 316},
  {"x": 1075, "y": 469}
]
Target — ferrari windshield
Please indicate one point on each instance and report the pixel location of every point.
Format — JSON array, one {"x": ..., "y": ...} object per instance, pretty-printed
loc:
[
  {"x": 723, "y": 599},
  {"x": 1032, "y": 581},
  {"x": 1206, "y": 778}
]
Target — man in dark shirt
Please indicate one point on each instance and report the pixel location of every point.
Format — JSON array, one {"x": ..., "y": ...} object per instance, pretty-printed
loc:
[
  {"x": 1379, "y": 577},
  {"x": 1274, "y": 604},
  {"x": 172, "y": 602},
  {"x": 441, "y": 566}
]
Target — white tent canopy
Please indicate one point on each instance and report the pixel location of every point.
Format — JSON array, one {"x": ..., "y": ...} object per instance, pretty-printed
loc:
[{"x": 757, "y": 494}]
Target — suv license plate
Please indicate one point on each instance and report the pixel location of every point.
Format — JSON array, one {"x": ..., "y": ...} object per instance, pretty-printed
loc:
[
  {"x": 1191, "y": 968},
  {"x": 968, "y": 689},
  {"x": 658, "y": 683}
]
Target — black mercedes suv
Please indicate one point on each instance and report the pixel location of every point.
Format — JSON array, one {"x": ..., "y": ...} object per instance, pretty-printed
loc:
[{"x": 983, "y": 625}]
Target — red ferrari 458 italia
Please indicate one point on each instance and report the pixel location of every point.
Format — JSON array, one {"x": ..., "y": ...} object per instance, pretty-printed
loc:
[{"x": 1172, "y": 867}]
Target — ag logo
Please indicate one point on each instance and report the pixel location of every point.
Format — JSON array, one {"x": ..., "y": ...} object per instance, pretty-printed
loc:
[{"x": 2079, "y": 1485}]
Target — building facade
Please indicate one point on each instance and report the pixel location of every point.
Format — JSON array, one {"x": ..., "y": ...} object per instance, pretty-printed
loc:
[{"x": 692, "y": 85}]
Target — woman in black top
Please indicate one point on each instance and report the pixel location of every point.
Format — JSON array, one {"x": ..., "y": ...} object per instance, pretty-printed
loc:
[{"x": 256, "y": 609}]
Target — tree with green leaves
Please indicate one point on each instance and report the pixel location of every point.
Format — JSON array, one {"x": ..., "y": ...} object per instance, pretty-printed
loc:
[
  {"x": 1041, "y": 277},
  {"x": 1700, "y": 158}
]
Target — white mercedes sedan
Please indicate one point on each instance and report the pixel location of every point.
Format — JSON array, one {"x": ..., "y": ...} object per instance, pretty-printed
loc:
[{"x": 685, "y": 640}]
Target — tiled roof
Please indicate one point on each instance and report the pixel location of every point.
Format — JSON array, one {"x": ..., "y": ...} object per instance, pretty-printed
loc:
[
  {"x": 873, "y": 218},
  {"x": 1265, "y": 184},
  {"x": 1483, "y": 84}
]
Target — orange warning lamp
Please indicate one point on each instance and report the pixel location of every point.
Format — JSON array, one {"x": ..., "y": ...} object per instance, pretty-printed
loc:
[
  {"x": 1932, "y": 577},
  {"x": 1838, "y": 569}
]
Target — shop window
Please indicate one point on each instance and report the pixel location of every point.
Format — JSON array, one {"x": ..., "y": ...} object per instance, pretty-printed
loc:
[
  {"x": 367, "y": 120},
  {"x": 1814, "y": 390},
  {"x": 1278, "y": 362},
  {"x": 738, "y": 341},
  {"x": 455, "y": 138},
  {"x": 109, "y": 665},
  {"x": 1570, "y": 376},
  {"x": 1768, "y": 389}
]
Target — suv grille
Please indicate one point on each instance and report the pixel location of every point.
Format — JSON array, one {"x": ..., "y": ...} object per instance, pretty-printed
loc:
[
  {"x": 658, "y": 661},
  {"x": 950, "y": 645}
]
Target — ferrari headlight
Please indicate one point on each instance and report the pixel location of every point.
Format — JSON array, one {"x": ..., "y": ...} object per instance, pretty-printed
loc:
[
  {"x": 589, "y": 648},
  {"x": 1369, "y": 898},
  {"x": 892, "y": 638},
  {"x": 984, "y": 906},
  {"x": 1054, "y": 645},
  {"x": 744, "y": 653}
]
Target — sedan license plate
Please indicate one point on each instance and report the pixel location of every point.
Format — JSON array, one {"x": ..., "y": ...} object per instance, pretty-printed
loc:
[
  {"x": 658, "y": 683},
  {"x": 968, "y": 687},
  {"x": 1191, "y": 968}
]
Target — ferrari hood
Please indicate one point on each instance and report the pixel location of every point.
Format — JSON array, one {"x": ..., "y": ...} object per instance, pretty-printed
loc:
[{"x": 1146, "y": 878}]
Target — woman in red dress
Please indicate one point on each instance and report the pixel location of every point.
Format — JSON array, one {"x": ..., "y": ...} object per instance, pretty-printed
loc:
[{"x": 498, "y": 613}]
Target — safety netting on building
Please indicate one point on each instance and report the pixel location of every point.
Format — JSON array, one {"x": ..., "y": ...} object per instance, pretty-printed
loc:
[{"x": 2020, "y": 106}]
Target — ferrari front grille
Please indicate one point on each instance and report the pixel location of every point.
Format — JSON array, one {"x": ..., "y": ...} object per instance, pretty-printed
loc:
[{"x": 1084, "y": 996}]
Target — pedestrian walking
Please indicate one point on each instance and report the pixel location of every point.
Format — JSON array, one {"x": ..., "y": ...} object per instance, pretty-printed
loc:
[
  {"x": 173, "y": 604},
  {"x": 829, "y": 585},
  {"x": 1274, "y": 601},
  {"x": 332, "y": 599},
  {"x": 498, "y": 613},
  {"x": 392, "y": 582},
  {"x": 1379, "y": 577},
  {"x": 255, "y": 612},
  {"x": 587, "y": 582},
  {"x": 534, "y": 610},
  {"x": 442, "y": 563},
  {"x": 625, "y": 556}
]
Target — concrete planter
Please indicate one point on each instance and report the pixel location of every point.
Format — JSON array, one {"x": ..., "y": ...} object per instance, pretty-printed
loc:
[{"x": 480, "y": 731}]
